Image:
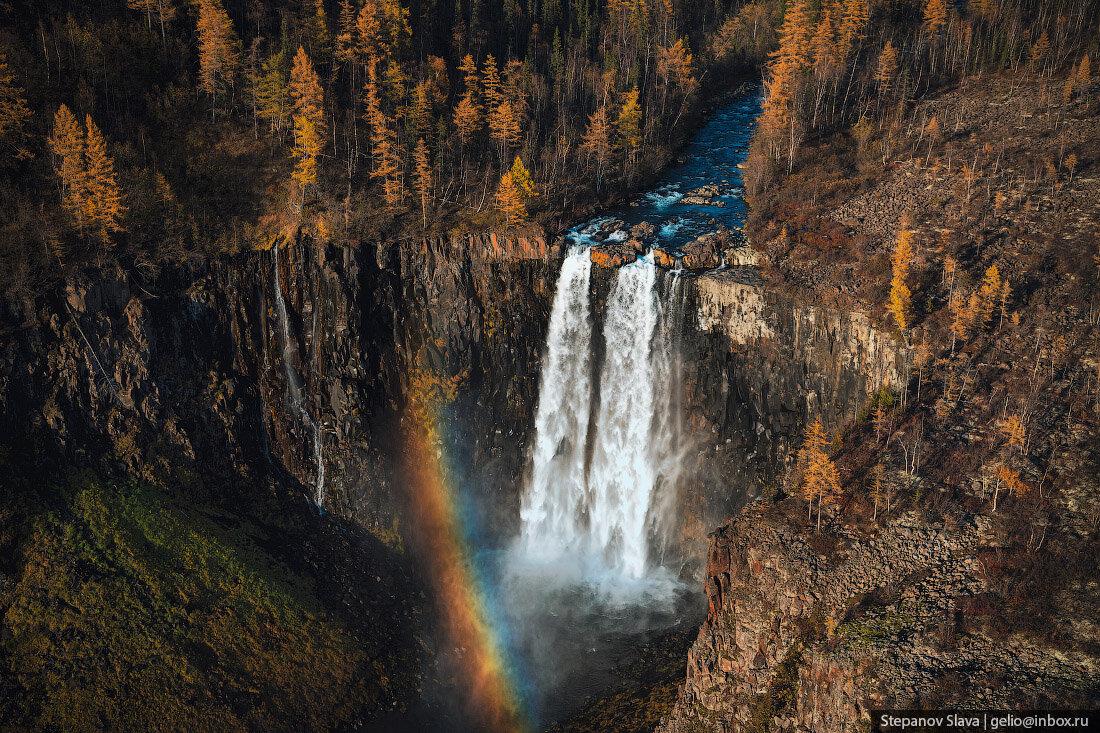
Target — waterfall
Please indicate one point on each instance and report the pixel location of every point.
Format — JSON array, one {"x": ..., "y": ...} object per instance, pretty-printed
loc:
[
  {"x": 611, "y": 510},
  {"x": 294, "y": 384},
  {"x": 552, "y": 505},
  {"x": 669, "y": 444}
]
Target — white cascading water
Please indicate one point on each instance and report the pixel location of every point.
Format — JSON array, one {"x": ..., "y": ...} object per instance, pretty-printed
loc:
[
  {"x": 623, "y": 472},
  {"x": 294, "y": 385},
  {"x": 552, "y": 505},
  {"x": 608, "y": 510}
]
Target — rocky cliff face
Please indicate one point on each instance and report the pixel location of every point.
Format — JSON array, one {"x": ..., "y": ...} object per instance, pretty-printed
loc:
[
  {"x": 760, "y": 364},
  {"x": 188, "y": 376},
  {"x": 801, "y": 637}
]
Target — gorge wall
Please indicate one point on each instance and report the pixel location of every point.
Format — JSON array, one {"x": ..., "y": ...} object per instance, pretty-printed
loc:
[
  {"x": 180, "y": 378},
  {"x": 760, "y": 365},
  {"x": 184, "y": 377}
]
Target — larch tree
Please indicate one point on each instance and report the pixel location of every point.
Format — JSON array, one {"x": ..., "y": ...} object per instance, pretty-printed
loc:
[
  {"x": 596, "y": 142},
  {"x": 368, "y": 33},
  {"x": 1012, "y": 428},
  {"x": 504, "y": 126},
  {"x": 103, "y": 207},
  {"x": 779, "y": 116},
  {"x": 66, "y": 142},
  {"x": 934, "y": 16},
  {"x": 219, "y": 48},
  {"x": 675, "y": 69},
  {"x": 1084, "y": 72},
  {"x": 510, "y": 200},
  {"x": 515, "y": 190},
  {"x": 989, "y": 292},
  {"x": 887, "y": 66},
  {"x": 820, "y": 478},
  {"x": 900, "y": 295},
  {"x": 319, "y": 33},
  {"x": 490, "y": 83},
  {"x": 823, "y": 46},
  {"x": 14, "y": 111},
  {"x": 423, "y": 178},
  {"x": 523, "y": 180},
  {"x": 309, "y": 118},
  {"x": 629, "y": 122},
  {"x": 272, "y": 95},
  {"x": 854, "y": 17},
  {"x": 467, "y": 118},
  {"x": 384, "y": 152},
  {"x": 345, "y": 50}
]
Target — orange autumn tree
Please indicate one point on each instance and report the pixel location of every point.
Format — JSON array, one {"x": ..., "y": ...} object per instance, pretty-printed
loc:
[
  {"x": 515, "y": 190},
  {"x": 66, "y": 142},
  {"x": 14, "y": 111},
  {"x": 629, "y": 121},
  {"x": 820, "y": 479},
  {"x": 309, "y": 118},
  {"x": 778, "y": 119},
  {"x": 384, "y": 150},
  {"x": 103, "y": 207},
  {"x": 935, "y": 15},
  {"x": 596, "y": 142},
  {"x": 900, "y": 296},
  {"x": 423, "y": 172},
  {"x": 219, "y": 48}
]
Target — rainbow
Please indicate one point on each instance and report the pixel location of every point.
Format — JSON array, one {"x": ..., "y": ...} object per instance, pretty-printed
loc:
[{"x": 492, "y": 697}]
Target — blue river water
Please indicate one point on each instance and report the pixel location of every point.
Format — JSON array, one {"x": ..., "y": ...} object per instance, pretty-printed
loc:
[{"x": 713, "y": 157}]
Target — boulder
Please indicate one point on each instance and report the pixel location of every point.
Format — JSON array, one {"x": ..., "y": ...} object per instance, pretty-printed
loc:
[
  {"x": 704, "y": 196},
  {"x": 664, "y": 258},
  {"x": 644, "y": 231},
  {"x": 612, "y": 254},
  {"x": 702, "y": 252}
]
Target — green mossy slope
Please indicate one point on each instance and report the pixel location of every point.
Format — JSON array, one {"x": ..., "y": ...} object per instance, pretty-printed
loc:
[{"x": 131, "y": 610}]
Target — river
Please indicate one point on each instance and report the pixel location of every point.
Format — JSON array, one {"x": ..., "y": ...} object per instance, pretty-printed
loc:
[{"x": 584, "y": 606}]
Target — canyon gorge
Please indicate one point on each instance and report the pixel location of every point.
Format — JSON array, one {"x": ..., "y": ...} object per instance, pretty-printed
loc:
[
  {"x": 611, "y": 415},
  {"x": 722, "y": 367}
]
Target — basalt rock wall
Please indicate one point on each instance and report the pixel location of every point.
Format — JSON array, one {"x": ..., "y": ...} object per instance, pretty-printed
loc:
[
  {"x": 183, "y": 377},
  {"x": 759, "y": 365}
]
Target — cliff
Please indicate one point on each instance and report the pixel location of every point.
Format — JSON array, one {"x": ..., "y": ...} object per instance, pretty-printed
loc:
[
  {"x": 808, "y": 635},
  {"x": 957, "y": 568},
  {"x": 187, "y": 374},
  {"x": 760, "y": 363}
]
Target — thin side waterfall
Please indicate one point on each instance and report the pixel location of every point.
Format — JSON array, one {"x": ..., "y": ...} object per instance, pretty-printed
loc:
[
  {"x": 551, "y": 513},
  {"x": 294, "y": 385},
  {"x": 611, "y": 510}
]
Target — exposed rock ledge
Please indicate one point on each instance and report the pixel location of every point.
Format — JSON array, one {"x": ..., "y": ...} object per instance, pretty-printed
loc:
[
  {"x": 800, "y": 641},
  {"x": 734, "y": 302}
]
